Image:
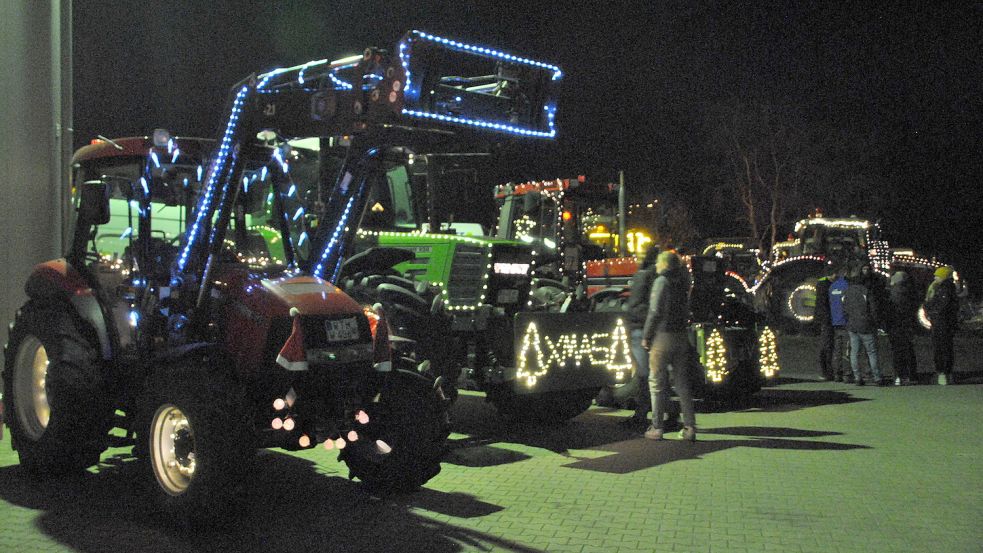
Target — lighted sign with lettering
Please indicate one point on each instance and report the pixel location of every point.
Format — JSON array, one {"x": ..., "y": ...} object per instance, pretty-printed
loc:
[{"x": 539, "y": 353}]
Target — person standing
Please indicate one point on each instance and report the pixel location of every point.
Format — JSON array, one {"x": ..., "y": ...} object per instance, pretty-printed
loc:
[
  {"x": 824, "y": 322},
  {"x": 841, "y": 338},
  {"x": 637, "y": 308},
  {"x": 942, "y": 308},
  {"x": 861, "y": 308},
  {"x": 903, "y": 309},
  {"x": 665, "y": 336}
]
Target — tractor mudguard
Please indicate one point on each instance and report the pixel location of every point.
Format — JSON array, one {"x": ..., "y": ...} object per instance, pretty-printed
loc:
[
  {"x": 375, "y": 260},
  {"x": 59, "y": 280}
]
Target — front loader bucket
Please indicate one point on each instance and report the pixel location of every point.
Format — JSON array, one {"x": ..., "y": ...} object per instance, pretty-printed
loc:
[{"x": 452, "y": 83}]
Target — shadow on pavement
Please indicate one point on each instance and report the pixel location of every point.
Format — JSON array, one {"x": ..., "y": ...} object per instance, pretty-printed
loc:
[
  {"x": 484, "y": 427},
  {"x": 639, "y": 454},
  {"x": 781, "y": 400},
  {"x": 595, "y": 429},
  {"x": 287, "y": 504}
]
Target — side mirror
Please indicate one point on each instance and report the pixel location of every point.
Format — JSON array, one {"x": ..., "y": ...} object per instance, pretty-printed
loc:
[{"x": 94, "y": 203}]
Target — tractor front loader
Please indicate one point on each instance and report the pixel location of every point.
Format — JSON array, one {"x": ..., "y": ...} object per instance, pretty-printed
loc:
[{"x": 192, "y": 310}]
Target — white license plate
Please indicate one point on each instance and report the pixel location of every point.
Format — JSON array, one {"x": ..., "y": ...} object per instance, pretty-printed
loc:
[{"x": 342, "y": 330}]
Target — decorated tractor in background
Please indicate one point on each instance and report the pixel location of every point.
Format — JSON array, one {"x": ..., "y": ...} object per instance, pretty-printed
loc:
[
  {"x": 577, "y": 227},
  {"x": 786, "y": 290}
]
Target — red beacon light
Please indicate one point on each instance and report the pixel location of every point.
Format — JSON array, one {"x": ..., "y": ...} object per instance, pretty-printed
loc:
[{"x": 567, "y": 216}]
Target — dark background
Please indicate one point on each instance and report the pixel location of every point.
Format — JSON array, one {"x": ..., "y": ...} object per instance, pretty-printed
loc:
[{"x": 640, "y": 80}]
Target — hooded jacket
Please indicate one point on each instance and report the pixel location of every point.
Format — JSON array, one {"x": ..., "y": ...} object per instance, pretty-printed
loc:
[
  {"x": 942, "y": 305},
  {"x": 860, "y": 304},
  {"x": 668, "y": 302}
]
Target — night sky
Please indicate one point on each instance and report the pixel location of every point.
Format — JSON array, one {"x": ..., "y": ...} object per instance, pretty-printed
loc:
[{"x": 903, "y": 80}]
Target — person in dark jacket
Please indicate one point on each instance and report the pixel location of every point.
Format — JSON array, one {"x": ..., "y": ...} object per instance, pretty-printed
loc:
[
  {"x": 637, "y": 309},
  {"x": 942, "y": 308},
  {"x": 824, "y": 322},
  {"x": 860, "y": 304},
  {"x": 902, "y": 312},
  {"x": 839, "y": 357},
  {"x": 665, "y": 336}
]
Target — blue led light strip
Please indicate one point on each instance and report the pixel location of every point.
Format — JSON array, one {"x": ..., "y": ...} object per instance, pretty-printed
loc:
[
  {"x": 217, "y": 167},
  {"x": 557, "y": 73},
  {"x": 329, "y": 249},
  {"x": 204, "y": 205},
  {"x": 485, "y": 124}
]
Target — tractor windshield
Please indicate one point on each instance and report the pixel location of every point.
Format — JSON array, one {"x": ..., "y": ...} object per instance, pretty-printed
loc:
[
  {"x": 140, "y": 188},
  {"x": 530, "y": 217}
]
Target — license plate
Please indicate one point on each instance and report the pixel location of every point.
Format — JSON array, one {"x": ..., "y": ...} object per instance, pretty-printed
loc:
[{"x": 343, "y": 330}]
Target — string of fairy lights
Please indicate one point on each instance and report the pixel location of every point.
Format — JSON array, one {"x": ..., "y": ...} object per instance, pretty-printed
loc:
[{"x": 608, "y": 349}]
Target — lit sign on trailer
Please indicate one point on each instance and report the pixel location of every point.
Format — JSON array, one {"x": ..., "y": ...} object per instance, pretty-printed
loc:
[{"x": 561, "y": 342}]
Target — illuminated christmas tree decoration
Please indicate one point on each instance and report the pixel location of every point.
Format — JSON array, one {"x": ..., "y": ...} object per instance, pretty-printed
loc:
[
  {"x": 768, "y": 353},
  {"x": 304, "y": 441},
  {"x": 530, "y": 340},
  {"x": 362, "y": 417},
  {"x": 277, "y": 423},
  {"x": 716, "y": 353},
  {"x": 328, "y": 444},
  {"x": 288, "y": 424},
  {"x": 619, "y": 354},
  {"x": 352, "y": 436}
]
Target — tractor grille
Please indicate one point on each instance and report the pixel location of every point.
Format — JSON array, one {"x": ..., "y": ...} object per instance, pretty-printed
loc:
[{"x": 467, "y": 275}]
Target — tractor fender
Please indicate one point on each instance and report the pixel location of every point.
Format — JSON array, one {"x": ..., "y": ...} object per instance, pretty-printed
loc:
[
  {"x": 375, "y": 260},
  {"x": 59, "y": 280}
]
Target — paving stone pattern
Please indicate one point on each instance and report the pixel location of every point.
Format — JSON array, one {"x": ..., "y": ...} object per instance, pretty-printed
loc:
[{"x": 806, "y": 467}]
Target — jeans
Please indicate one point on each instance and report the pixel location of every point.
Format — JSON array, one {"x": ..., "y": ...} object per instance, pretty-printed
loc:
[
  {"x": 942, "y": 348},
  {"x": 841, "y": 351},
  {"x": 903, "y": 351},
  {"x": 870, "y": 346},
  {"x": 671, "y": 348},
  {"x": 641, "y": 358},
  {"x": 826, "y": 353}
]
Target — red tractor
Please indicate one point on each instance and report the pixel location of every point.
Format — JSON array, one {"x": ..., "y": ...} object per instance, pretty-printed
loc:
[{"x": 189, "y": 312}]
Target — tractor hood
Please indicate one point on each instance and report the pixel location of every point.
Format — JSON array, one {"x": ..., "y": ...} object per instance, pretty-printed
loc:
[{"x": 271, "y": 296}]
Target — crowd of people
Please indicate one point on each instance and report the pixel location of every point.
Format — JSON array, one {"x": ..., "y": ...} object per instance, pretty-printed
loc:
[{"x": 852, "y": 304}]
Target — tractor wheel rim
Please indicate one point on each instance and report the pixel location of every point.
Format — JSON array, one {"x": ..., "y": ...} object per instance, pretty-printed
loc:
[
  {"x": 798, "y": 302},
  {"x": 30, "y": 390},
  {"x": 172, "y": 448}
]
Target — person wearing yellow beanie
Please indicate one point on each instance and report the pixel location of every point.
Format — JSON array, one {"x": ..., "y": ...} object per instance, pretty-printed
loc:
[{"x": 942, "y": 309}]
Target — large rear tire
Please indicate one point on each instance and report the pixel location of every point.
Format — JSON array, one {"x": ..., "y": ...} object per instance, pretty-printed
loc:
[
  {"x": 401, "y": 446},
  {"x": 54, "y": 393},
  {"x": 548, "y": 407},
  {"x": 197, "y": 440}
]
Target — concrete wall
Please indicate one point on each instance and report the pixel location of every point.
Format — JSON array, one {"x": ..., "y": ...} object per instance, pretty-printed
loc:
[{"x": 35, "y": 140}]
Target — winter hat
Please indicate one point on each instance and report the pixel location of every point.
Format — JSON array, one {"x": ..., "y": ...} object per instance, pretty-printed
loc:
[
  {"x": 669, "y": 260},
  {"x": 944, "y": 272},
  {"x": 898, "y": 277}
]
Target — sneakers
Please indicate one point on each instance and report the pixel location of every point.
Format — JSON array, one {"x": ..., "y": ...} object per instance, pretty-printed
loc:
[
  {"x": 688, "y": 433},
  {"x": 943, "y": 379},
  {"x": 653, "y": 433}
]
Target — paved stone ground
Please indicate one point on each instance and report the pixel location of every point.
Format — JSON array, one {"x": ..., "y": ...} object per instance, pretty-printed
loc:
[{"x": 806, "y": 466}]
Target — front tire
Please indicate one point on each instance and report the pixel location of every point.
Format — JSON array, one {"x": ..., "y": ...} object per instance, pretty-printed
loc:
[
  {"x": 198, "y": 444},
  {"x": 54, "y": 394},
  {"x": 410, "y": 420}
]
